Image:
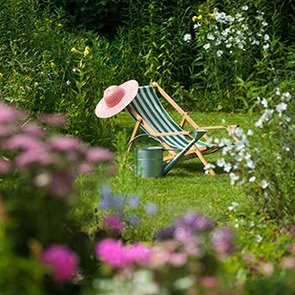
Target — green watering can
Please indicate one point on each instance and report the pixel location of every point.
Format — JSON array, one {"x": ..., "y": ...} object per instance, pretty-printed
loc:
[{"x": 149, "y": 160}]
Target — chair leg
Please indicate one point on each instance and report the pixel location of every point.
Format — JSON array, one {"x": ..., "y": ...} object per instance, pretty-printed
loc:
[{"x": 205, "y": 162}]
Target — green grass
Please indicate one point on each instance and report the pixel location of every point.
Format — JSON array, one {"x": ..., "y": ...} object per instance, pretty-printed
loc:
[{"x": 185, "y": 187}]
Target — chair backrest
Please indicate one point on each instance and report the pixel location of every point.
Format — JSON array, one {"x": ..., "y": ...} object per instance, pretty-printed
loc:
[{"x": 148, "y": 106}]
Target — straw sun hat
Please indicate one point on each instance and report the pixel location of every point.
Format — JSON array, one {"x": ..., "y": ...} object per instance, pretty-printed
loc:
[{"x": 116, "y": 98}]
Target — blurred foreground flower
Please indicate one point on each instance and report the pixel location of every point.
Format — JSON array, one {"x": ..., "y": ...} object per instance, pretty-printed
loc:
[{"x": 63, "y": 261}]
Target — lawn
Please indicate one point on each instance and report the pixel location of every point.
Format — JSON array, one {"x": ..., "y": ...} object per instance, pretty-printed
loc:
[{"x": 186, "y": 187}]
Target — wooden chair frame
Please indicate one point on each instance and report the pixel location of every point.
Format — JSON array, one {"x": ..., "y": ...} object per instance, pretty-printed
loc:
[{"x": 194, "y": 151}]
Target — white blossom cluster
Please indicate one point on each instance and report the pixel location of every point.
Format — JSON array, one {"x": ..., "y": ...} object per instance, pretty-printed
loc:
[
  {"x": 233, "y": 33},
  {"x": 240, "y": 153}
]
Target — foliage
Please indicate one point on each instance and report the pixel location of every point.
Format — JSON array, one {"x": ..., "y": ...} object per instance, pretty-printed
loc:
[{"x": 261, "y": 161}]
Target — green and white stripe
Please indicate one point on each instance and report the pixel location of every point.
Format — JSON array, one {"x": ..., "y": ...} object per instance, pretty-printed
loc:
[{"x": 148, "y": 106}]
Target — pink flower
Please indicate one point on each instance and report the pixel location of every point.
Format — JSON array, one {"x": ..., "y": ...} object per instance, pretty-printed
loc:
[
  {"x": 33, "y": 157},
  {"x": 61, "y": 183},
  {"x": 137, "y": 253},
  {"x": 63, "y": 261},
  {"x": 113, "y": 222},
  {"x": 65, "y": 144},
  {"x": 99, "y": 155},
  {"x": 112, "y": 252},
  {"x": 23, "y": 142},
  {"x": 5, "y": 166},
  {"x": 117, "y": 255},
  {"x": 53, "y": 119},
  {"x": 9, "y": 114}
]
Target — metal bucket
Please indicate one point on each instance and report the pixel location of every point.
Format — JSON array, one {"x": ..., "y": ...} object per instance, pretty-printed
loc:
[{"x": 149, "y": 161}]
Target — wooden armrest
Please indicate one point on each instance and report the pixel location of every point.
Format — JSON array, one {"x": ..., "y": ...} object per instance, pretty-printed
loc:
[
  {"x": 172, "y": 133},
  {"x": 218, "y": 127}
]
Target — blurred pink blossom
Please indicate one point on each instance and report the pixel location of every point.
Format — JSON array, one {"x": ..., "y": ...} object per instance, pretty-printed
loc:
[
  {"x": 118, "y": 255},
  {"x": 113, "y": 222},
  {"x": 99, "y": 155},
  {"x": 9, "y": 114},
  {"x": 53, "y": 119},
  {"x": 33, "y": 157},
  {"x": 63, "y": 261},
  {"x": 5, "y": 166},
  {"x": 65, "y": 144},
  {"x": 61, "y": 183},
  {"x": 23, "y": 142}
]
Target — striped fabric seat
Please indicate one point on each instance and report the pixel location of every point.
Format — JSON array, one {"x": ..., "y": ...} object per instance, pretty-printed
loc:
[{"x": 149, "y": 107}]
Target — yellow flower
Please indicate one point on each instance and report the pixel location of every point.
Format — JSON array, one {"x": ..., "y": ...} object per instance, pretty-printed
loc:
[
  {"x": 194, "y": 18},
  {"x": 211, "y": 15},
  {"x": 74, "y": 50},
  {"x": 199, "y": 10},
  {"x": 215, "y": 9},
  {"x": 200, "y": 17},
  {"x": 60, "y": 25},
  {"x": 36, "y": 84},
  {"x": 86, "y": 51}
]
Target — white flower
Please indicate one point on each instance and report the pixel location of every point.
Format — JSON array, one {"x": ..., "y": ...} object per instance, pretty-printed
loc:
[
  {"x": 219, "y": 53},
  {"x": 264, "y": 102},
  {"x": 258, "y": 238},
  {"x": 220, "y": 162},
  {"x": 187, "y": 37},
  {"x": 264, "y": 23},
  {"x": 264, "y": 184},
  {"x": 245, "y": 7},
  {"x": 197, "y": 25},
  {"x": 208, "y": 166},
  {"x": 281, "y": 107},
  {"x": 265, "y": 46},
  {"x": 252, "y": 179},
  {"x": 250, "y": 132},
  {"x": 233, "y": 178},
  {"x": 286, "y": 96},
  {"x": 255, "y": 42},
  {"x": 210, "y": 37},
  {"x": 227, "y": 167},
  {"x": 207, "y": 46},
  {"x": 68, "y": 82},
  {"x": 266, "y": 37}
]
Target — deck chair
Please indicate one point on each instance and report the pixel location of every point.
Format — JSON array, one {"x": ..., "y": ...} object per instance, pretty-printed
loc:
[{"x": 151, "y": 117}]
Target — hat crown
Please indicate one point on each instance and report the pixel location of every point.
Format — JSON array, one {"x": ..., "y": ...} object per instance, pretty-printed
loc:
[{"x": 113, "y": 95}]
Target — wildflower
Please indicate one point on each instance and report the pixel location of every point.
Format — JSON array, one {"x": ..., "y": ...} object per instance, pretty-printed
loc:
[
  {"x": 208, "y": 167},
  {"x": 266, "y": 37},
  {"x": 233, "y": 178},
  {"x": 222, "y": 241},
  {"x": 151, "y": 209},
  {"x": 68, "y": 82},
  {"x": 187, "y": 37},
  {"x": 264, "y": 24},
  {"x": 64, "y": 144},
  {"x": 74, "y": 50},
  {"x": 264, "y": 184},
  {"x": 200, "y": 17},
  {"x": 252, "y": 179},
  {"x": 210, "y": 36},
  {"x": 194, "y": 18},
  {"x": 281, "y": 107},
  {"x": 215, "y": 9},
  {"x": 36, "y": 84},
  {"x": 99, "y": 155},
  {"x": 207, "y": 46},
  {"x": 133, "y": 202},
  {"x": 211, "y": 15},
  {"x": 86, "y": 51},
  {"x": 60, "y": 25},
  {"x": 219, "y": 53},
  {"x": 245, "y": 7},
  {"x": 114, "y": 223},
  {"x": 61, "y": 183},
  {"x": 258, "y": 238},
  {"x": 63, "y": 261},
  {"x": 265, "y": 46},
  {"x": 53, "y": 119}
]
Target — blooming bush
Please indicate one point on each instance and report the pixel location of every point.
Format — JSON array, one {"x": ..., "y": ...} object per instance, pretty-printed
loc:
[
  {"x": 226, "y": 46},
  {"x": 38, "y": 169},
  {"x": 262, "y": 160}
]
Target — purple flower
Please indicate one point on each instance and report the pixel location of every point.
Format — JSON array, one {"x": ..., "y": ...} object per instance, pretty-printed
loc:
[
  {"x": 133, "y": 202},
  {"x": 222, "y": 241},
  {"x": 65, "y": 144},
  {"x": 33, "y": 157},
  {"x": 61, "y": 183},
  {"x": 53, "y": 119},
  {"x": 99, "y": 155},
  {"x": 151, "y": 209},
  {"x": 23, "y": 142},
  {"x": 9, "y": 114},
  {"x": 5, "y": 166},
  {"x": 114, "y": 223},
  {"x": 63, "y": 261},
  {"x": 196, "y": 222},
  {"x": 133, "y": 220},
  {"x": 33, "y": 129}
]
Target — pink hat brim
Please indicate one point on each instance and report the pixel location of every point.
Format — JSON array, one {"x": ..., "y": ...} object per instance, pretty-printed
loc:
[{"x": 103, "y": 111}]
